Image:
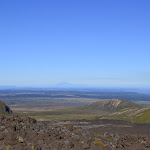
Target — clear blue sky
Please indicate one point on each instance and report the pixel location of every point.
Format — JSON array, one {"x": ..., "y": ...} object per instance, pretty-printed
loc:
[{"x": 94, "y": 42}]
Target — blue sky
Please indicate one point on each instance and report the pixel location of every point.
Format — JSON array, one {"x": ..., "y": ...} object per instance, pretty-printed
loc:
[{"x": 94, "y": 42}]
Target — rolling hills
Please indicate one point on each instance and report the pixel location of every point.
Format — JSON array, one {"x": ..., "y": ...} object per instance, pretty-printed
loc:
[
  {"x": 118, "y": 109},
  {"x": 110, "y": 105}
]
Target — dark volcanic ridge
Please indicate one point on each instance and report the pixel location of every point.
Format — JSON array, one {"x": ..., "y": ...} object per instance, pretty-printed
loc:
[{"x": 4, "y": 109}]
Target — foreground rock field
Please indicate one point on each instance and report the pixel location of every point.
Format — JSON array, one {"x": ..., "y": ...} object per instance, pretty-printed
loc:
[{"x": 28, "y": 134}]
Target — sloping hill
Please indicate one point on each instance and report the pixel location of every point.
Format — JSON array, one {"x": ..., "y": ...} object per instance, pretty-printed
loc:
[
  {"x": 4, "y": 109},
  {"x": 141, "y": 115},
  {"x": 110, "y": 105}
]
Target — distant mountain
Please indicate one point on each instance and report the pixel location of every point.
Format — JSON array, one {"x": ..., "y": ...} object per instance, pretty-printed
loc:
[
  {"x": 64, "y": 84},
  {"x": 69, "y": 85},
  {"x": 4, "y": 109},
  {"x": 110, "y": 105}
]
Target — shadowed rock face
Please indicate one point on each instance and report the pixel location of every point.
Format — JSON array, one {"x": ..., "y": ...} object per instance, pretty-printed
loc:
[{"x": 4, "y": 109}]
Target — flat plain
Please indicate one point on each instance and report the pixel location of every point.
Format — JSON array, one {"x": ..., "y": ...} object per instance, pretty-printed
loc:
[{"x": 66, "y": 104}]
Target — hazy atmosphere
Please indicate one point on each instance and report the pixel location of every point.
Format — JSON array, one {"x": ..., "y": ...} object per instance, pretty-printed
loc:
[{"x": 96, "y": 43}]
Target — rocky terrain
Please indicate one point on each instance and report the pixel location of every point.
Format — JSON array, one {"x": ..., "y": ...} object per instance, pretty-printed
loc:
[{"x": 28, "y": 134}]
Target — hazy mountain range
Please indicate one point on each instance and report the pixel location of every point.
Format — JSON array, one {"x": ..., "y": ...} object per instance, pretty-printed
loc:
[{"x": 66, "y": 85}]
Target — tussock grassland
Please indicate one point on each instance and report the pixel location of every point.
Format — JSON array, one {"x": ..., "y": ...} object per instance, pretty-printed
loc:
[{"x": 63, "y": 115}]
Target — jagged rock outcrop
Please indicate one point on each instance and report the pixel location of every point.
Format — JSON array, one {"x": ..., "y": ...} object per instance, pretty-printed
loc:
[{"x": 4, "y": 109}]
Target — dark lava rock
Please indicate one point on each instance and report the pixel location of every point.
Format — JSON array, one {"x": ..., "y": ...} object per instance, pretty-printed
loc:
[{"x": 18, "y": 133}]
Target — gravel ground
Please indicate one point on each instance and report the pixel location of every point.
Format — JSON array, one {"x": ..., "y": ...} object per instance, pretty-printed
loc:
[{"x": 28, "y": 134}]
